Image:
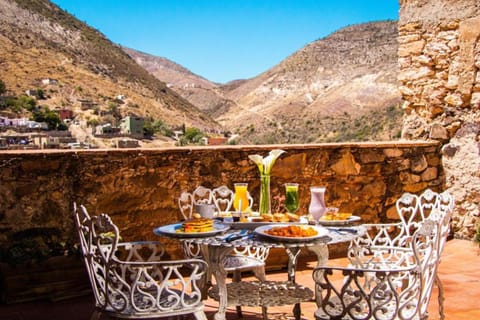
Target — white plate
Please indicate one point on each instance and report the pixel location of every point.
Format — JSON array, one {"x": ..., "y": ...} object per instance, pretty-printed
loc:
[
  {"x": 251, "y": 224},
  {"x": 171, "y": 231},
  {"x": 321, "y": 232},
  {"x": 350, "y": 219}
]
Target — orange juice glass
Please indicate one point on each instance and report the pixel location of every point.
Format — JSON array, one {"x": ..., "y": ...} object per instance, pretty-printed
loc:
[{"x": 240, "y": 196}]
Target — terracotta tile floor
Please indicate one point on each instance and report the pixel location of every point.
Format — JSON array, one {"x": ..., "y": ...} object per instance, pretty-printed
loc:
[{"x": 458, "y": 271}]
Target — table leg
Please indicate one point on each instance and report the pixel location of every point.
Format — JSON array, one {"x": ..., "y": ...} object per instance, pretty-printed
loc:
[
  {"x": 215, "y": 257},
  {"x": 321, "y": 251},
  {"x": 292, "y": 253}
]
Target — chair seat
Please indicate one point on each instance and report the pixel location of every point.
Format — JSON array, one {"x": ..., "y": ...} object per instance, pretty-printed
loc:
[
  {"x": 263, "y": 293},
  {"x": 168, "y": 301}
]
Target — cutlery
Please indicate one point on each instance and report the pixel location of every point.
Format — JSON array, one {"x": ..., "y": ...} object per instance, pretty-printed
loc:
[
  {"x": 236, "y": 236},
  {"x": 344, "y": 230},
  {"x": 228, "y": 237}
]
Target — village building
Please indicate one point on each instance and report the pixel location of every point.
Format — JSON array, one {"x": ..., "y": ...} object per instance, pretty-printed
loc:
[{"x": 132, "y": 126}]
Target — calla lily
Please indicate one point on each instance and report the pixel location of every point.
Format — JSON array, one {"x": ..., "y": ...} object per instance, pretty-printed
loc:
[{"x": 265, "y": 164}]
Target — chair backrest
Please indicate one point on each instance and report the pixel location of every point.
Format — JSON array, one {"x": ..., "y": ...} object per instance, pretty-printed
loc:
[
  {"x": 223, "y": 198},
  {"x": 379, "y": 290},
  {"x": 129, "y": 279},
  {"x": 414, "y": 209},
  {"x": 202, "y": 195},
  {"x": 99, "y": 241},
  {"x": 186, "y": 205},
  {"x": 427, "y": 245}
]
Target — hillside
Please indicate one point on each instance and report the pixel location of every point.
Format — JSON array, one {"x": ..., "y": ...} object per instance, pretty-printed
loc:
[
  {"x": 339, "y": 88},
  {"x": 206, "y": 95},
  {"x": 38, "y": 40}
]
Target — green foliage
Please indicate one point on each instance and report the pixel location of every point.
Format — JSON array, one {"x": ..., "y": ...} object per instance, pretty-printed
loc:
[
  {"x": 152, "y": 127},
  {"x": 193, "y": 135},
  {"x": 477, "y": 235},
  {"x": 27, "y": 103},
  {"x": 40, "y": 93},
  {"x": 93, "y": 122},
  {"x": 18, "y": 105},
  {"x": 50, "y": 117}
]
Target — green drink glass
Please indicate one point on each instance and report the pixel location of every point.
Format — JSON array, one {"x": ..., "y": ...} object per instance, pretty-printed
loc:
[{"x": 291, "y": 197}]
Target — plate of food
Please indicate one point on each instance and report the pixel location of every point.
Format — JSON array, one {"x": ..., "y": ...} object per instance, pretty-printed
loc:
[
  {"x": 193, "y": 228},
  {"x": 291, "y": 232},
  {"x": 254, "y": 221},
  {"x": 336, "y": 219}
]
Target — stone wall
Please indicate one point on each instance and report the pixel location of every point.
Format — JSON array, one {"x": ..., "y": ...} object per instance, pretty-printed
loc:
[
  {"x": 439, "y": 58},
  {"x": 139, "y": 188}
]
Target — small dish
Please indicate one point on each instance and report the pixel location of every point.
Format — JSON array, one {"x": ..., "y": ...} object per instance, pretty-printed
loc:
[{"x": 171, "y": 230}]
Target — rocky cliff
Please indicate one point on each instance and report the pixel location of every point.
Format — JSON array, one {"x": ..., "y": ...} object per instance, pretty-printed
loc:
[{"x": 439, "y": 57}]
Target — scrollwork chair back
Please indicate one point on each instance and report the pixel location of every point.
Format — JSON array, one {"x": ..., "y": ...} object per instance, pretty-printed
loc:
[
  {"x": 385, "y": 298},
  {"x": 384, "y": 242},
  {"x": 129, "y": 280}
]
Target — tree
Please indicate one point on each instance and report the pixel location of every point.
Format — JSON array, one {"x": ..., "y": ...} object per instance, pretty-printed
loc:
[
  {"x": 193, "y": 135},
  {"x": 50, "y": 117}
]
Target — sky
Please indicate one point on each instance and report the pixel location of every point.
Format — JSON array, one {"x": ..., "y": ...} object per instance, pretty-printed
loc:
[{"x": 224, "y": 40}]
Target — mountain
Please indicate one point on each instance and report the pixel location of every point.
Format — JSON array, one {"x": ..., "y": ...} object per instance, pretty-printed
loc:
[
  {"x": 339, "y": 88},
  {"x": 38, "y": 40},
  {"x": 342, "y": 87},
  {"x": 206, "y": 95}
]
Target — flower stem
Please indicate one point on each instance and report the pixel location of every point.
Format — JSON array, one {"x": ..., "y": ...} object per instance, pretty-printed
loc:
[{"x": 265, "y": 203}]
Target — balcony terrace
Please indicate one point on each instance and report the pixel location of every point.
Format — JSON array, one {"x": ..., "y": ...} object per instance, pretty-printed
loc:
[{"x": 458, "y": 272}]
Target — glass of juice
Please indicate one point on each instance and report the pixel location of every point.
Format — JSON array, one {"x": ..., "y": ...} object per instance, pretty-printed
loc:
[
  {"x": 240, "y": 200},
  {"x": 291, "y": 197}
]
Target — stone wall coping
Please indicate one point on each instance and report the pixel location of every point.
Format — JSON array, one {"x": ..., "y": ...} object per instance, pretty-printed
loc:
[{"x": 363, "y": 145}]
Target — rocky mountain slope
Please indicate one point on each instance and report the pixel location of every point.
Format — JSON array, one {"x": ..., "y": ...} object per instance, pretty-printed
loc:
[
  {"x": 38, "y": 40},
  {"x": 333, "y": 89},
  {"x": 206, "y": 95},
  {"x": 340, "y": 88}
]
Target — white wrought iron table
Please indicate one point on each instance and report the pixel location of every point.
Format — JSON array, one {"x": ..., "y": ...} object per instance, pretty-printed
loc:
[{"x": 215, "y": 249}]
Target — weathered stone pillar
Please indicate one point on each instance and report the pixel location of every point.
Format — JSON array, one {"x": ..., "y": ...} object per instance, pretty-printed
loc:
[{"x": 439, "y": 59}]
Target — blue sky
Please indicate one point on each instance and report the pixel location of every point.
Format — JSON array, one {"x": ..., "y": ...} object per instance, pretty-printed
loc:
[{"x": 224, "y": 40}]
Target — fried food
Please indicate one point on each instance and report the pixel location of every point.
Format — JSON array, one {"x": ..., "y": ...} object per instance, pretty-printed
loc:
[
  {"x": 196, "y": 225},
  {"x": 292, "y": 231},
  {"x": 337, "y": 216},
  {"x": 292, "y": 217},
  {"x": 280, "y": 217},
  {"x": 267, "y": 217}
]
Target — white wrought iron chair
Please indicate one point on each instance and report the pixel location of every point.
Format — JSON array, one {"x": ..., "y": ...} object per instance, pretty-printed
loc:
[
  {"x": 202, "y": 195},
  {"x": 375, "y": 290},
  {"x": 242, "y": 259},
  {"x": 380, "y": 246},
  {"x": 129, "y": 279}
]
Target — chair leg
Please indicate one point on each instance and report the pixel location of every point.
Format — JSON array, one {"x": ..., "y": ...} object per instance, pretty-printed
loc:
[
  {"x": 96, "y": 315},
  {"x": 239, "y": 312},
  {"x": 260, "y": 273},
  {"x": 200, "y": 315},
  {"x": 237, "y": 277},
  {"x": 441, "y": 297}
]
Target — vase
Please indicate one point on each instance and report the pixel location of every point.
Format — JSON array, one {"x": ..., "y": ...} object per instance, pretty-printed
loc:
[{"x": 265, "y": 202}]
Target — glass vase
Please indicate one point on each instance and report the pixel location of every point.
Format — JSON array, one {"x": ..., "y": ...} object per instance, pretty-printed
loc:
[{"x": 265, "y": 202}]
